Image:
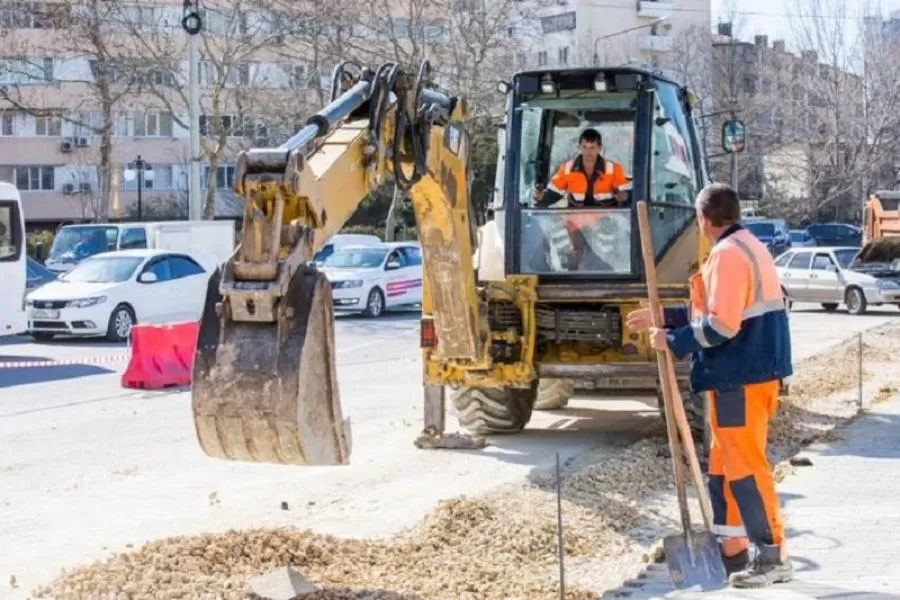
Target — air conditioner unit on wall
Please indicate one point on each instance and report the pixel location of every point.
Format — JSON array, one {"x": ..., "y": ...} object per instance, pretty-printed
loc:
[
  {"x": 84, "y": 187},
  {"x": 66, "y": 146},
  {"x": 68, "y": 189},
  {"x": 83, "y": 142}
]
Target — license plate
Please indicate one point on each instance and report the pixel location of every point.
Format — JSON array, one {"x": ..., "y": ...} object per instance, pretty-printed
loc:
[{"x": 45, "y": 313}]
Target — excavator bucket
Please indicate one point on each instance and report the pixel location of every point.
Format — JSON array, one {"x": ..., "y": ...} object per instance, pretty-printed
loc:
[{"x": 267, "y": 392}]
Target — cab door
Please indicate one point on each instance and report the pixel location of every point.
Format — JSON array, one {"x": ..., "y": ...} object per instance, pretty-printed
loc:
[
  {"x": 413, "y": 268},
  {"x": 795, "y": 277},
  {"x": 824, "y": 280}
]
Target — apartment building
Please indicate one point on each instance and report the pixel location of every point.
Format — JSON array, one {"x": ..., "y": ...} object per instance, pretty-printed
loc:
[
  {"x": 269, "y": 68},
  {"x": 788, "y": 102},
  {"x": 585, "y": 32}
]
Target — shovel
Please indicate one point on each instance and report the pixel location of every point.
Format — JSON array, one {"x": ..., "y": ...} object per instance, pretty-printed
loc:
[{"x": 694, "y": 558}]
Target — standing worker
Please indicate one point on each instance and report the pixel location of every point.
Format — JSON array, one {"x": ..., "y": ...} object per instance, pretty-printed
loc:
[{"x": 736, "y": 330}]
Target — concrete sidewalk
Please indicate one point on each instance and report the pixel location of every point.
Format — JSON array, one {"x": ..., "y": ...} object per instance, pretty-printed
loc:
[{"x": 843, "y": 519}]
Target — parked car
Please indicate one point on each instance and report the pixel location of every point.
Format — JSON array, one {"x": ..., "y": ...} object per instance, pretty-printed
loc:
[
  {"x": 370, "y": 279},
  {"x": 832, "y": 276},
  {"x": 801, "y": 238},
  {"x": 836, "y": 234},
  {"x": 343, "y": 240},
  {"x": 773, "y": 233},
  {"x": 37, "y": 275},
  {"x": 106, "y": 294}
]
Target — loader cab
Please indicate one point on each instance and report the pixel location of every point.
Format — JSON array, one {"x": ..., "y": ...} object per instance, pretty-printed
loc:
[{"x": 646, "y": 127}]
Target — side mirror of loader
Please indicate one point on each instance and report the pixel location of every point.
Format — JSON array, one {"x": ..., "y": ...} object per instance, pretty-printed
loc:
[{"x": 734, "y": 136}]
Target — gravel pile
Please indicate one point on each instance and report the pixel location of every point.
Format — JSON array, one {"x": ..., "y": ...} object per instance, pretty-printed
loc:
[{"x": 502, "y": 546}]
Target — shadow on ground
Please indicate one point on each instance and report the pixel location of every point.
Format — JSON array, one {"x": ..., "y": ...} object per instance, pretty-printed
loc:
[{"x": 23, "y": 375}]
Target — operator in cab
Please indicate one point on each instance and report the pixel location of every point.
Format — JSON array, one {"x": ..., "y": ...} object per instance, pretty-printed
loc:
[{"x": 589, "y": 179}]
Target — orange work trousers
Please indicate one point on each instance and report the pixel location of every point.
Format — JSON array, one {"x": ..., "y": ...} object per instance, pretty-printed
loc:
[{"x": 741, "y": 484}]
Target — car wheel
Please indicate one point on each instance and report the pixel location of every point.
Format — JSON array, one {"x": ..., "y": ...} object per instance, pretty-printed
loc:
[
  {"x": 42, "y": 336},
  {"x": 120, "y": 323},
  {"x": 856, "y": 301},
  {"x": 375, "y": 303},
  {"x": 830, "y": 306}
]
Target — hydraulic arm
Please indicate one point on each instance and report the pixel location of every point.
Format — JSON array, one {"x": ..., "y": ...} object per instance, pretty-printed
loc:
[{"x": 264, "y": 383}]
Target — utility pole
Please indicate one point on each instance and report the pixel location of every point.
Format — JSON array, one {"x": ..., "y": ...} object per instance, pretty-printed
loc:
[{"x": 192, "y": 25}]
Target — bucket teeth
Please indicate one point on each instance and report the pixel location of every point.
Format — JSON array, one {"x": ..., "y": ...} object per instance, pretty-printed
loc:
[{"x": 267, "y": 392}]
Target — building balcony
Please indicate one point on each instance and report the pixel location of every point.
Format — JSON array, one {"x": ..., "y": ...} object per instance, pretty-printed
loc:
[
  {"x": 656, "y": 43},
  {"x": 654, "y": 9}
]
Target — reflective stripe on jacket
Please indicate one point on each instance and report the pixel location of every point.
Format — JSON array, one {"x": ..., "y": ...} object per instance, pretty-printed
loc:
[
  {"x": 608, "y": 177},
  {"x": 736, "y": 328}
]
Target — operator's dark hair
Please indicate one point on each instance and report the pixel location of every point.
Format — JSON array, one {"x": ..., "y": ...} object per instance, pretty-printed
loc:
[
  {"x": 591, "y": 136},
  {"x": 719, "y": 204}
]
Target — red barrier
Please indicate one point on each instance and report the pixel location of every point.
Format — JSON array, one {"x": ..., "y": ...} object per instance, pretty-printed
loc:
[{"x": 161, "y": 355}]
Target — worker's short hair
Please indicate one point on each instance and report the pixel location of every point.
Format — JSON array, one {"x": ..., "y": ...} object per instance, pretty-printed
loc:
[
  {"x": 591, "y": 136},
  {"x": 719, "y": 204}
]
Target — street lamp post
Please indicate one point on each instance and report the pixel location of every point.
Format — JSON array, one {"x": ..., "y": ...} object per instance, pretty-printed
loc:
[
  {"x": 142, "y": 171},
  {"x": 193, "y": 25},
  {"x": 652, "y": 23}
]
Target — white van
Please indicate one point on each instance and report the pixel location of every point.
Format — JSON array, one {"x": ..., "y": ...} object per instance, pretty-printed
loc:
[
  {"x": 209, "y": 242},
  {"x": 13, "y": 260},
  {"x": 342, "y": 240}
]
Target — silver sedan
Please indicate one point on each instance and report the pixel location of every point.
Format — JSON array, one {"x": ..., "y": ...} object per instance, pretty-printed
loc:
[{"x": 834, "y": 276}]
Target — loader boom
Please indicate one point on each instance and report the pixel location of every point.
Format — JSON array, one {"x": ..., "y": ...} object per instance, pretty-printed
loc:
[{"x": 265, "y": 387}]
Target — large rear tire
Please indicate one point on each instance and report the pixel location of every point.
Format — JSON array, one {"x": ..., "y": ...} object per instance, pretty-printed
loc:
[
  {"x": 494, "y": 410},
  {"x": 553, "y": 394}
]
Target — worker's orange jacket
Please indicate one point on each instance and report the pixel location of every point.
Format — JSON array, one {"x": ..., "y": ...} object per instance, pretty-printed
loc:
[
  {"x": 594, "y": 189},
  {"x": 736, "y": 327}
]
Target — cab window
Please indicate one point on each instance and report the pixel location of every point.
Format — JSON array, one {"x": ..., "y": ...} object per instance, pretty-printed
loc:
[
  {"x": 411, "y": 255},
  {"x": 540, "y": 156},
  {"x": 182, "y": 266},
  {"x": 673, "y": 180}
]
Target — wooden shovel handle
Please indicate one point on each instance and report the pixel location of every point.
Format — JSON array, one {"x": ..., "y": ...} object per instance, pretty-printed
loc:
[{"x": 676, "y": 419}]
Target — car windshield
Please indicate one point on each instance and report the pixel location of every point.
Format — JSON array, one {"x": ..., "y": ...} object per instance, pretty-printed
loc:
[
  {"x": 108, "y": 269},
  {"x": 845, "y": 257},
  {"x": 73, "y": 244},
  {"x": 367, "y": 258},
  {"x": 764, "y": 229}
]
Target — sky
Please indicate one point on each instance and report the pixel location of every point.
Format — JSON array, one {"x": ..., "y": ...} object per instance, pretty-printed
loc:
[{"x": 772, "y": 17}]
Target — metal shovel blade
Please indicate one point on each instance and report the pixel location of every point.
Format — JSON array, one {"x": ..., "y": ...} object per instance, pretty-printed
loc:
[{"x": 695, "y": 561}]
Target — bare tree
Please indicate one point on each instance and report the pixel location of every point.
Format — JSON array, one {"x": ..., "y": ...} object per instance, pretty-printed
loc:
[
  {"x": 846, "y": 88},
  {"x": 83, "y": 63},
  {"x": 243, "y": 87}
]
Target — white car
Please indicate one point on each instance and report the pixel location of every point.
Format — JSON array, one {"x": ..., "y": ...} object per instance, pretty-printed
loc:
[
  {"x": 832, "y": 276},
  {"x": 372, "y": 278},
  {"x": 108, "y": 293}
]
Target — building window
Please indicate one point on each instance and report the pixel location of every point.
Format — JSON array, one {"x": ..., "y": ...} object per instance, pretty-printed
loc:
[
  {"x": 750, "y": 85},
  {"x": 542, "y": 58},
  {"x": 298, "y": 77},
  {"x": 7, "y": 124},
  {"x": 564, "y": 55},
  {"x": 153, "y": 124},
  {"x": 48, "y": 126},
  {"x": 224, "y": 177},
  {"x": 557, "y": 23},
  {"x": 213, "y": 126},
  {"x": 240, "y": 75},
  {"x": 34, "y": 179}
]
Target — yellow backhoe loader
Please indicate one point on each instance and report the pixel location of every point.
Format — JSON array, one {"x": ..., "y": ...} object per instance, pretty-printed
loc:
[{"x": 544, "y": 303}]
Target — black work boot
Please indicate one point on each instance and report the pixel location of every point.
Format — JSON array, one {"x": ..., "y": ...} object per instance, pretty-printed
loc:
[
  {"x": 736, "y": 562},
  {"x": 767, "y": 569}
]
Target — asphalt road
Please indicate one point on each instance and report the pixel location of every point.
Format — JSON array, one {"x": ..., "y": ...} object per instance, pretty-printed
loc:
[{"x": 89, "y": 468}]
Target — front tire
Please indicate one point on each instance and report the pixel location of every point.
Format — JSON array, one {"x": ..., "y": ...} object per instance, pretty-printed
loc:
[
  {"x": 553, "y": 394},
  {"x": 856, "y": 301},
  {"x": 484, "y": 411},
  {"x": 120, "y": 323},
  {"x": 374, "y": 303}
]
